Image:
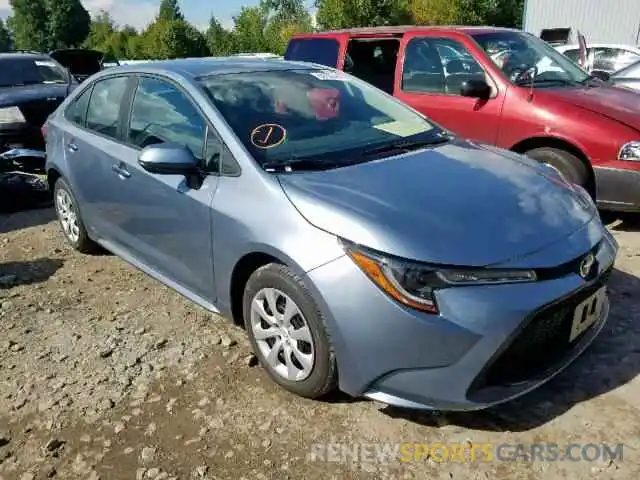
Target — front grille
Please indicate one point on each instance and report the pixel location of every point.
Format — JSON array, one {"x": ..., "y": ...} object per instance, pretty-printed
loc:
[
  {"x": 36, "y": 112},
  {"x": 540, "y": 345}
]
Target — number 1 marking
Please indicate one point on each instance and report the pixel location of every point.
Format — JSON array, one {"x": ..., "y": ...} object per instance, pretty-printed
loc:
[{"x": 266, "y": 139}]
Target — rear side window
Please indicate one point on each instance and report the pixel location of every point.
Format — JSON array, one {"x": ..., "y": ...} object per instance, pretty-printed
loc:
[
  {"x": 573, "y": 54},
  {"x": 103, "y": 114},
  {"x": 317, "y": 50},
  {"x": 77, "y": 111}
]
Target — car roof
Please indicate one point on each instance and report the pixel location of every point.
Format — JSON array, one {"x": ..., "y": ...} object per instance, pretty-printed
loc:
[
  {"x": 18, "y": 54},
  {"x": 398, "y": 30},
  {"x": 600, "y": 45},
  {"x": 208, "y": 66}
]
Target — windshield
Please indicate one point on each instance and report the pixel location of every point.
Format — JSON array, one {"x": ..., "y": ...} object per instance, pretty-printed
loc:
[
  {"x": 29, "y": 71},
  {"x": 525, "y": 58},
  {"x": 287, "y": 115},
  {"x": 632, "y": 71}
]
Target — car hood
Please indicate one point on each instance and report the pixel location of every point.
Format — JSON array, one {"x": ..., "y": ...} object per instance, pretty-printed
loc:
[
  {"x": 15, "y": 96},
  {"x": 618, "y": 104},
  {"x": 79, "y": 61},
  {"x": 455, "y": 204}
]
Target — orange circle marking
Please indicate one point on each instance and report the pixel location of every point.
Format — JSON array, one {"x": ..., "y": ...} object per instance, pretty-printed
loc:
[{"x": 268, "y": 135}]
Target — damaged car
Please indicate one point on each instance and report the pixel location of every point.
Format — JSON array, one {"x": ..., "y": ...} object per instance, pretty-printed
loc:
[{"x": 32, "y": 85}]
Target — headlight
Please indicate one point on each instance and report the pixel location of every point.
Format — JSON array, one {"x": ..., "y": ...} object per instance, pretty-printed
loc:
[
  {"x": 414, "y": 284},
  {"x": 630, "y": 151},
  {"x": 11, "y": 115}
]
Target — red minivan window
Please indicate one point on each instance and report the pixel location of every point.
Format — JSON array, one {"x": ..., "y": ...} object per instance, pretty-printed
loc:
[{"x": 323, "y": 51}]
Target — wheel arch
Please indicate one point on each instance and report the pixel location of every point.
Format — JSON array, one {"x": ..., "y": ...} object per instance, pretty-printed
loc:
[
  {"x": 527, "y": 144},
  {"x": 53, "y": 174},
  {"x": 243, "y": 269}
]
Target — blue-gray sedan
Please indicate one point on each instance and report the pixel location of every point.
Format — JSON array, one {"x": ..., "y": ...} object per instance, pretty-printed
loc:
[{"x": 362, "y": 246}]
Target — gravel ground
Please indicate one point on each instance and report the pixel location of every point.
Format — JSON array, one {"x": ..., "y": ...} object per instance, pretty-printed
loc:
[{"x": 107, "y": 374}]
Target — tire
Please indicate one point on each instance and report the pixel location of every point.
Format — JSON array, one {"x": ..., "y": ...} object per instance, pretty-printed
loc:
[
  {"x": 320, "y": 377},
  {"x": 570, "y": 166},
  {"x": 68, "y": 215}
]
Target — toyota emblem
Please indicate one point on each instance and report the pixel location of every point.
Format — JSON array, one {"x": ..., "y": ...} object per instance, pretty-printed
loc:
[{"x": 586, "y": 265}]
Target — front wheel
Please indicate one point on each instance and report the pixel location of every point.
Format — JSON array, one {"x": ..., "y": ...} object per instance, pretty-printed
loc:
[
  {"x": 288, "y": 333},
  {"x": 567, "y": 164}
]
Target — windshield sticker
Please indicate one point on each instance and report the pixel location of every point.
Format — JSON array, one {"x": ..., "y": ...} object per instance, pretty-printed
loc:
[
  {"x": 402, "y": 129},
  {"x": 45, "y": 63},
  {"x": 268, "y": 135},
  {"x": 328, "y": 75}
]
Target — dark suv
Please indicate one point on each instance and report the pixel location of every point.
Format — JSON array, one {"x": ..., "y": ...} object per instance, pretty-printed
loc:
[{"x": 32, "y": 85}]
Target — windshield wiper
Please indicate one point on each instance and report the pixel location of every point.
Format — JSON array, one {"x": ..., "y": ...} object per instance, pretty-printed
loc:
[{"x": 408, "y": 145}]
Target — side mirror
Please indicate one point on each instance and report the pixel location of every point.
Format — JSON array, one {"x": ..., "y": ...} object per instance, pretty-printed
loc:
[
  {"x": 476, "y": 89},
  {"x": 168, "y": 159},
  {"x": 601, "y": 74}
]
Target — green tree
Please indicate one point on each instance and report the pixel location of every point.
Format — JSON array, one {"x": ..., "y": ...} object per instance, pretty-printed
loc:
[
  {"x": 102, "y": 27},
  {"x": 28, "y": 24},
  {"x": 433, "y": 12},
  {"x": 171, "y": 39},
  {"x": 507, "y": 13},
  {"x": 286, "y": 11},
  {"x": 170, "y": 10},
  {"x": 501, "y": 13},
  {"x": 47, "y": 24},
  {"x": 219, "y": 40},
  {"x": 249, "y": 29},
  {"x": 5, "y": 38},
  {"x": 335, "y": 14},
  {"x": 68, "y": 23}
]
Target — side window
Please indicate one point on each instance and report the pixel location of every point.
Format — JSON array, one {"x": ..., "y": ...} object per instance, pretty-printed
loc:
[
  {"x": 103, "y": 114},
  {"x": 77, "y": 111},
  {"x": 573, "y": 54},
  {"x": 217, "y": 158},
  {"x": 317, "y": 50},
  {"x": 611, "y": 59},
  {"x": 373, "y": 61},
  {"x": 163, "y": 113},
  {"x": 438, "y": 65}
]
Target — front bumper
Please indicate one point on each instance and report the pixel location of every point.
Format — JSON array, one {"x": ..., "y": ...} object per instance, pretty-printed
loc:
[
  {"x": 455, "y": 360},
  {"x": 22, "y": 148},
  {"x": 618, "y": 189}
]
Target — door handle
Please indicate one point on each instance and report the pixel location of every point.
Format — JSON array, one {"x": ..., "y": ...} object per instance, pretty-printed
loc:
[
  {"x": 72, "y": 147},
  {"x": 121, "y": 171}
]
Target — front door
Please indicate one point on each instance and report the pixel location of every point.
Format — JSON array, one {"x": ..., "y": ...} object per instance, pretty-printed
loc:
[
  {"x": 168, "y": 226},
  {"x": 431, "y": 70}
]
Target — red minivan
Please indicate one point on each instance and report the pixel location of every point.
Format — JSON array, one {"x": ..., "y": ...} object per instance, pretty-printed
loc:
[{"x": 500, "y": 87}]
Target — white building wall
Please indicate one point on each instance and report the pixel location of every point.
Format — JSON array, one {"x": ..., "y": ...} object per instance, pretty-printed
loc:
[{"x": 601, "y": 21}]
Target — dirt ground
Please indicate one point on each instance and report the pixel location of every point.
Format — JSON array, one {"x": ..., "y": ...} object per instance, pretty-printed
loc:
[{"x": 107, "y": 374}]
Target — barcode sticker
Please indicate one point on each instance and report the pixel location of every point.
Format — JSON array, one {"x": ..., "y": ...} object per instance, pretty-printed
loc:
[
  {"x": 328, "y": 75},
  {"x": 45, "y": 63}
]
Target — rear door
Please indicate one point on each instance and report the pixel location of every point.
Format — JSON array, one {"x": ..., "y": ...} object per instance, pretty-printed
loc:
[
  {"x": 167, "y": 220},
  {"x": 431, "y": 69},
  {"x": 91, "y": 144}
]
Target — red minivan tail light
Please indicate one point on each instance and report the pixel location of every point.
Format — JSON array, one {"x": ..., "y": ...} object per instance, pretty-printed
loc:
[{"x": 43, "y": 129}]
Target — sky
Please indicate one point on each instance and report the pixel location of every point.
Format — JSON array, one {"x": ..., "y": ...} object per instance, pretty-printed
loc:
[{"x": 140, "y": 13}]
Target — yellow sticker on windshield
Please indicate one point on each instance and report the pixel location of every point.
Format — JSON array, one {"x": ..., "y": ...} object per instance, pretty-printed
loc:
[
  {"x": 268, "y": 135},
  {"x": 402, "y": 129}
]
